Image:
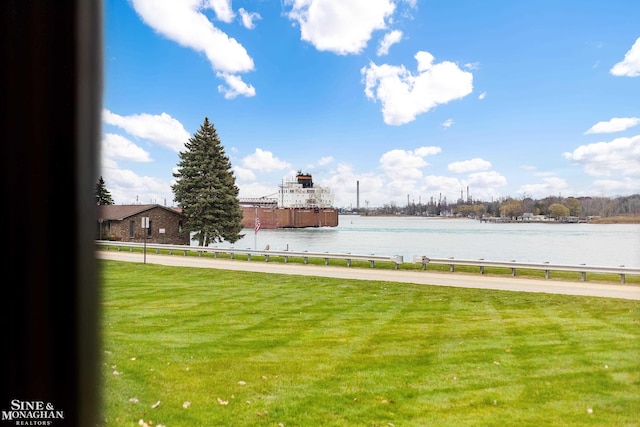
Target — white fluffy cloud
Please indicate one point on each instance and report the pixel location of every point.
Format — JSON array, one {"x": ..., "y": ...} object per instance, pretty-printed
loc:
[
  {"x": 184, "y": 23},
  {"x": 389, "y": 39},
  {"x": 160, "y": 129},
  {"x": 127, "y": 187},
  {"x": 325, "y": 160},
  {"x": 256, "y": 189},
  {"x": 489, "y": 179},
  {"x": 618, "y": 157},
  {"x": 623, "y": 186},
  {"x": 244, "y": 174},
  {"x": 472, "y": 165},
  {"x": 235, "y": 86},
  {"x": 222, "y": 8},
  {"x": 340, "y": 26},
  {"x": 343, "y": 181},
  {"x": 404, "y": 95},
  {"x": 630, "y": 65},
  {"x": 446, "y": 186},
  {"x": 117, "y": 147},
  {"x": 427, "y": 151},
  {"x": 549, "y": 185},
  {"x": 264, "y": 161},
  {"x": 406, "y": 164},
  {"x": 616, "y": 124},
  {"x": 248, "y": 18}
]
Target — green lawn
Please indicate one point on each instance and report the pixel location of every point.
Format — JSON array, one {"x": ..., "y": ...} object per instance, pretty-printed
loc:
[{"x": 222, "y": 348}]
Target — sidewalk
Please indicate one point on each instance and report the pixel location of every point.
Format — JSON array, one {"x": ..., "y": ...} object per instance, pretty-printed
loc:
[{"x": 630, "y": 292}]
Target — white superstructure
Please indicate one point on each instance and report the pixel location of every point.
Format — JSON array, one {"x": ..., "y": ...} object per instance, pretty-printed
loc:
[{"x": 301, "y": 193}]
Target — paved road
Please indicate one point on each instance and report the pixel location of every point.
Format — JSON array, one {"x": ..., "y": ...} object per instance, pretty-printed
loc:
[{"x": 631, "y": 292}]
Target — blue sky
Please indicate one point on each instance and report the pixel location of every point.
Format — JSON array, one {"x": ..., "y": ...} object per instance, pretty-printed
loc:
[{"x": 413, "y": 99}]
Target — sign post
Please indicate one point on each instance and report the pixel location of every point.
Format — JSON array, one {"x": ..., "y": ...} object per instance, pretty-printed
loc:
[
  {"x": 145, "y": 226},
  {"x": 255, "y": 233}
]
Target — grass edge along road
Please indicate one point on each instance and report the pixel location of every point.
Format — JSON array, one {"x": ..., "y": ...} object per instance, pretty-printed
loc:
[
  {"x": 503, "y": 282},
  {"x": 200, "y": 347}
]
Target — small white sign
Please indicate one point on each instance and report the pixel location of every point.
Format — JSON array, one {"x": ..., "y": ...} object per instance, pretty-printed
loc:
[
  {"x": 161, "y": 231},
  {"x": 145, "y": 222}
]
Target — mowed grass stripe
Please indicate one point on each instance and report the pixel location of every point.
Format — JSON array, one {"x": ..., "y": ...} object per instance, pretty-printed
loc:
[{"x": 257, "y": 349}]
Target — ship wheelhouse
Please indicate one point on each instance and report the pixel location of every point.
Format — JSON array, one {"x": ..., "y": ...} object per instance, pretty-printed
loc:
[{"x": 302, "y": 193}]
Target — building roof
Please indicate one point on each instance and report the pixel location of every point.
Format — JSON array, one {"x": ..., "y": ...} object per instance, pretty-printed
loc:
[{"x": 120, "y": 212}]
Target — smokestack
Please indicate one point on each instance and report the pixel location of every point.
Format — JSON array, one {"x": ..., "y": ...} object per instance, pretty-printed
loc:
[
  {"x": 358, "y": 195},
  {"x": 468, "y": 199}
]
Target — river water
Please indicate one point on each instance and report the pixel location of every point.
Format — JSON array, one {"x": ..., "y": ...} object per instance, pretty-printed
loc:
[{"x": 592, "y": 244}]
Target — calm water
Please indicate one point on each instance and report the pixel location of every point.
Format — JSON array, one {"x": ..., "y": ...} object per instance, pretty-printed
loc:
[{"x": 591, "y": 244}]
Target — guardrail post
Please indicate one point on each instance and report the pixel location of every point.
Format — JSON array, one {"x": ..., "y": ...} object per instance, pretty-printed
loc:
[
  {"x": 266, "y": 258},
  {"x": 513, "y": 270},
  {"x": 584, "y": 276},
  {"x": 348, "y": 262},
  {"x": 547, "y": 273},
  {"x": 248, "y": 257},
  {"x": 482, "y": 269},
  {"x": 185, "y": 252},
  {"x": 306, "y": 260},
  {"x": 199, "y": 253},
  {"x": 622, "y": 278},
  {"x": 373, "y": 263},
  {"x": 286, "y": 259}
]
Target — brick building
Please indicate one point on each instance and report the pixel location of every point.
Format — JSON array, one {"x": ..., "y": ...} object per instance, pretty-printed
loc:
[{"x": 124, "y": 223}]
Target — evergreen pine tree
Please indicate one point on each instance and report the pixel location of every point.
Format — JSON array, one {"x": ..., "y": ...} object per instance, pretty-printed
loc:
[
  {"x": 205, "y": 189},
  {"x": 103, "y": 196}
]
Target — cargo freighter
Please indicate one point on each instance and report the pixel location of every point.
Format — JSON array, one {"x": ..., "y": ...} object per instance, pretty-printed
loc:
[{"x": 299, "y": 204}]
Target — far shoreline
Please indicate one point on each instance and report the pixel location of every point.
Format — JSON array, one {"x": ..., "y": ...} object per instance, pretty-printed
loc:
[
  {"x": 616, "y": 220},
  {"x": 619, "y": 219}
]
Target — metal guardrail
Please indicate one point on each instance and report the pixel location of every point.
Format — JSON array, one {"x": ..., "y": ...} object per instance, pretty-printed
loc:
[
  {"x": 546, "y": 267},
  {"x": 372, "y": 259}
]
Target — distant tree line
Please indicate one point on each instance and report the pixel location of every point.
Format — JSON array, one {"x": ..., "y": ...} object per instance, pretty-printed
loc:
[{"x": 552, "y": 206}]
